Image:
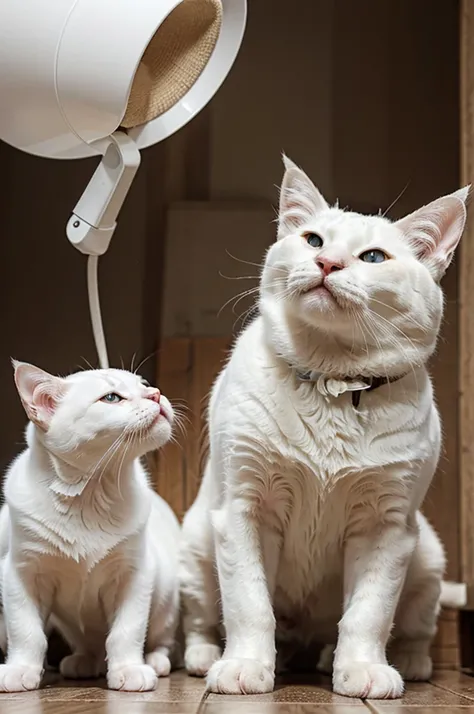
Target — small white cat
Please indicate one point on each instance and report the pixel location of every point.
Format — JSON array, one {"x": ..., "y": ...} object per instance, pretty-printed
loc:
[
  {"x": 84, "y": 541},
  {"x": 324, "y": 437}
]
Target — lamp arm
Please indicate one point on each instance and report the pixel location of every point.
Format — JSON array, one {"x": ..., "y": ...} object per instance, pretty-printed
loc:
[{"x": 94, "y": 219}]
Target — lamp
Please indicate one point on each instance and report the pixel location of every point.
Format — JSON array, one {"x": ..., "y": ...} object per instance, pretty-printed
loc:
[{"x": 82, "y": 78}]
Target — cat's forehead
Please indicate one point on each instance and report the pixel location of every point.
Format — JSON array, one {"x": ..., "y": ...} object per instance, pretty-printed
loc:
[
  {"x": 355, "y": 229},
  {"x": 113, "y": 378},
  {"x": 336, "y": 223}
]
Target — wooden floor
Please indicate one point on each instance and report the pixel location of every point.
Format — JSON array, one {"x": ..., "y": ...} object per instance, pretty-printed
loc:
[{"x": 449, "y": 692}]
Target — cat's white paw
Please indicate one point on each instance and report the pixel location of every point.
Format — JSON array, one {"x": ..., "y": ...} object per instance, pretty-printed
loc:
[
  {"x": 81, "y": 666},
  {"x": 413, "y": 666},
  {"x": 132, "y": 678},
  {"x": 367, "y": 681},
  {"x": 159, "y": 662},
  {"x": 199, "y": 659},
  {"x": 240, "y": 676},
  {"x": 326, "y": 660},
  {"x": 19, "y": 678}
]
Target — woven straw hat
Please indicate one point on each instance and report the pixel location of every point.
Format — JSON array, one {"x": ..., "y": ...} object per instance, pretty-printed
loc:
[{"x": 174, "y": 59}]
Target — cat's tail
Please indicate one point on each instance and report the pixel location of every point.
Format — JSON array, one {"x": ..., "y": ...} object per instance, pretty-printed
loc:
[{"x": 453, "y": 595}]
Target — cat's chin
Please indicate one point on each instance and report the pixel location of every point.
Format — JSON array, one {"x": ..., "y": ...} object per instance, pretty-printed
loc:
[
  {"x": 321, "y": 297},
  {"x": 158, "y": 434},
  {"x": 320, "y": 303}
]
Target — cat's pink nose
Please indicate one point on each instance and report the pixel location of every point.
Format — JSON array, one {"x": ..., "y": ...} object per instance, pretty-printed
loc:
[
  {"x": 329, "y": 266},
  {"x": 155, "y": 395}
]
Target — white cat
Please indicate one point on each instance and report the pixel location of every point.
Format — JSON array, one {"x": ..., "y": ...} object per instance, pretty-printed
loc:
[
  {"x": 83, "y": 537},
  {"x": 324, "y": 437}
]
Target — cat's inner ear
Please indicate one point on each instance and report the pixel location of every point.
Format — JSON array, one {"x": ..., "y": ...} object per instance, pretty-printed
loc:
[
  {"x": 39, "y": 392},
  {"x": 300, "y": 200},
  {"x": 434, "y": 231}
]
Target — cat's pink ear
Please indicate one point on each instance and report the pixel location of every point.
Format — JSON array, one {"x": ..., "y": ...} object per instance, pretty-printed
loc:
[
  {"x": 434, "y": 231},
  {"x": 39, "y": 392},
  {"x": 300, "y": 200}
]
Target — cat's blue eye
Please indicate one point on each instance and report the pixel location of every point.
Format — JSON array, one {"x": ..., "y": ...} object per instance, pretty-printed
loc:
[
  {"x": 112, "y": 398},
  {"x": 314, "y": 240},
  {"x": 373, "y": 256}
]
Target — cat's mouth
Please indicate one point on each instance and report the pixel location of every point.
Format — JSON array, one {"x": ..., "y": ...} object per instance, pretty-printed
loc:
[
  {"x": 322, "y": 289},
  {"x": 164, "y": 413}
]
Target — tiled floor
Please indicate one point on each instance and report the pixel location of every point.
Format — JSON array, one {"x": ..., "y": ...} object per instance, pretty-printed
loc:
[{"x": 449, "y": 692}]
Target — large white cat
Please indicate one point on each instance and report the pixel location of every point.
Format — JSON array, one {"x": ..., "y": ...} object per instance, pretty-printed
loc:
[
  {"x": 324, "y": 437},
  {"x": 83, "y": 537}
]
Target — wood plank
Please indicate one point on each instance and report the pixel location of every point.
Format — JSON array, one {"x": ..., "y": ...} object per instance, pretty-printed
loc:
[
  {"x": 187, "y": 367},
  {"x": 209, "y": 354},
  {"x": 400, "y": 708},
  {"x": 456, "y": 683},
  {"x": 174, "y": 379},
  {"x": 126, "y": 705},
  {"x": 424, "y": 694},
  {"x": 466, "y": 307},
  {"x": 446, "y": 648}
]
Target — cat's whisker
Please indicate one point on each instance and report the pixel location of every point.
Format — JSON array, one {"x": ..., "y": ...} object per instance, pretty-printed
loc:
[
  {"x": 406, "y": 316},
  {"x": 181, "y": 428},
  {"x": 243, "y": 316},
  {"x": 396, "y": 200},
  {"x": 112, "y": 452},
  {"x": 396, "y": 344},
  {"x": 239, "y": 277},
  {"x": 254, "y": 306},
  {"x": 379, "y": 347},
  {"x": 395, "y": 327},
  {"x": 127, "y": 445},
  {"x": 144, "y": 361},
  {"x": 108, "y": 457},
  {"x": 180, "y": 406},
  {"x": 249, "y": 293},
  {"x": 360, "y": 326},
  {"x": 244, "y": 262},
  {"x": 237, "y": 298},
  {"x": 87, "y": 363}
]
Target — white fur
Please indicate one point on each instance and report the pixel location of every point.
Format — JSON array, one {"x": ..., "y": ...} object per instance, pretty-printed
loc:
[
  {"x": 84, "y": 541},
  {"x": 453, "y": 595},
  {"x": 314, "y": 503}
]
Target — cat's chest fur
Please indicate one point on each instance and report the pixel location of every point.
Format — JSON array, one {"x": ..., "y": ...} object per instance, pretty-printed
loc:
[
  {"x": 313, "y": 466},
  {"x": 84, "y": 529}
]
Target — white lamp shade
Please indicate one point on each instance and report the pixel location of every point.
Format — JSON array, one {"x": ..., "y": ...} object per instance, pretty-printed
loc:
[{"x": 67, "y": 68}]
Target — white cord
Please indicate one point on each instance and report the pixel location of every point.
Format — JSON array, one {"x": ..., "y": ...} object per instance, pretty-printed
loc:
[{"x": 94, "y": 306}]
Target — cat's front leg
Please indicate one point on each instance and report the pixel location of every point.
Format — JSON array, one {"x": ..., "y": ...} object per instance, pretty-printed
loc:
[
  {"x": 375, "y": 566},
  {"x": 127, "y": 606},
  {"x": 247, "y": 559},
  {"x": 26, "y": 607}
]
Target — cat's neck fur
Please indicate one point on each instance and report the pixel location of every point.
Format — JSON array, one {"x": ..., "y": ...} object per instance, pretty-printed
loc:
[
  {"x": 80, "y": 516},
  {"x": 84, "y": 477},
  {"x": 308, "y": 349}
]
